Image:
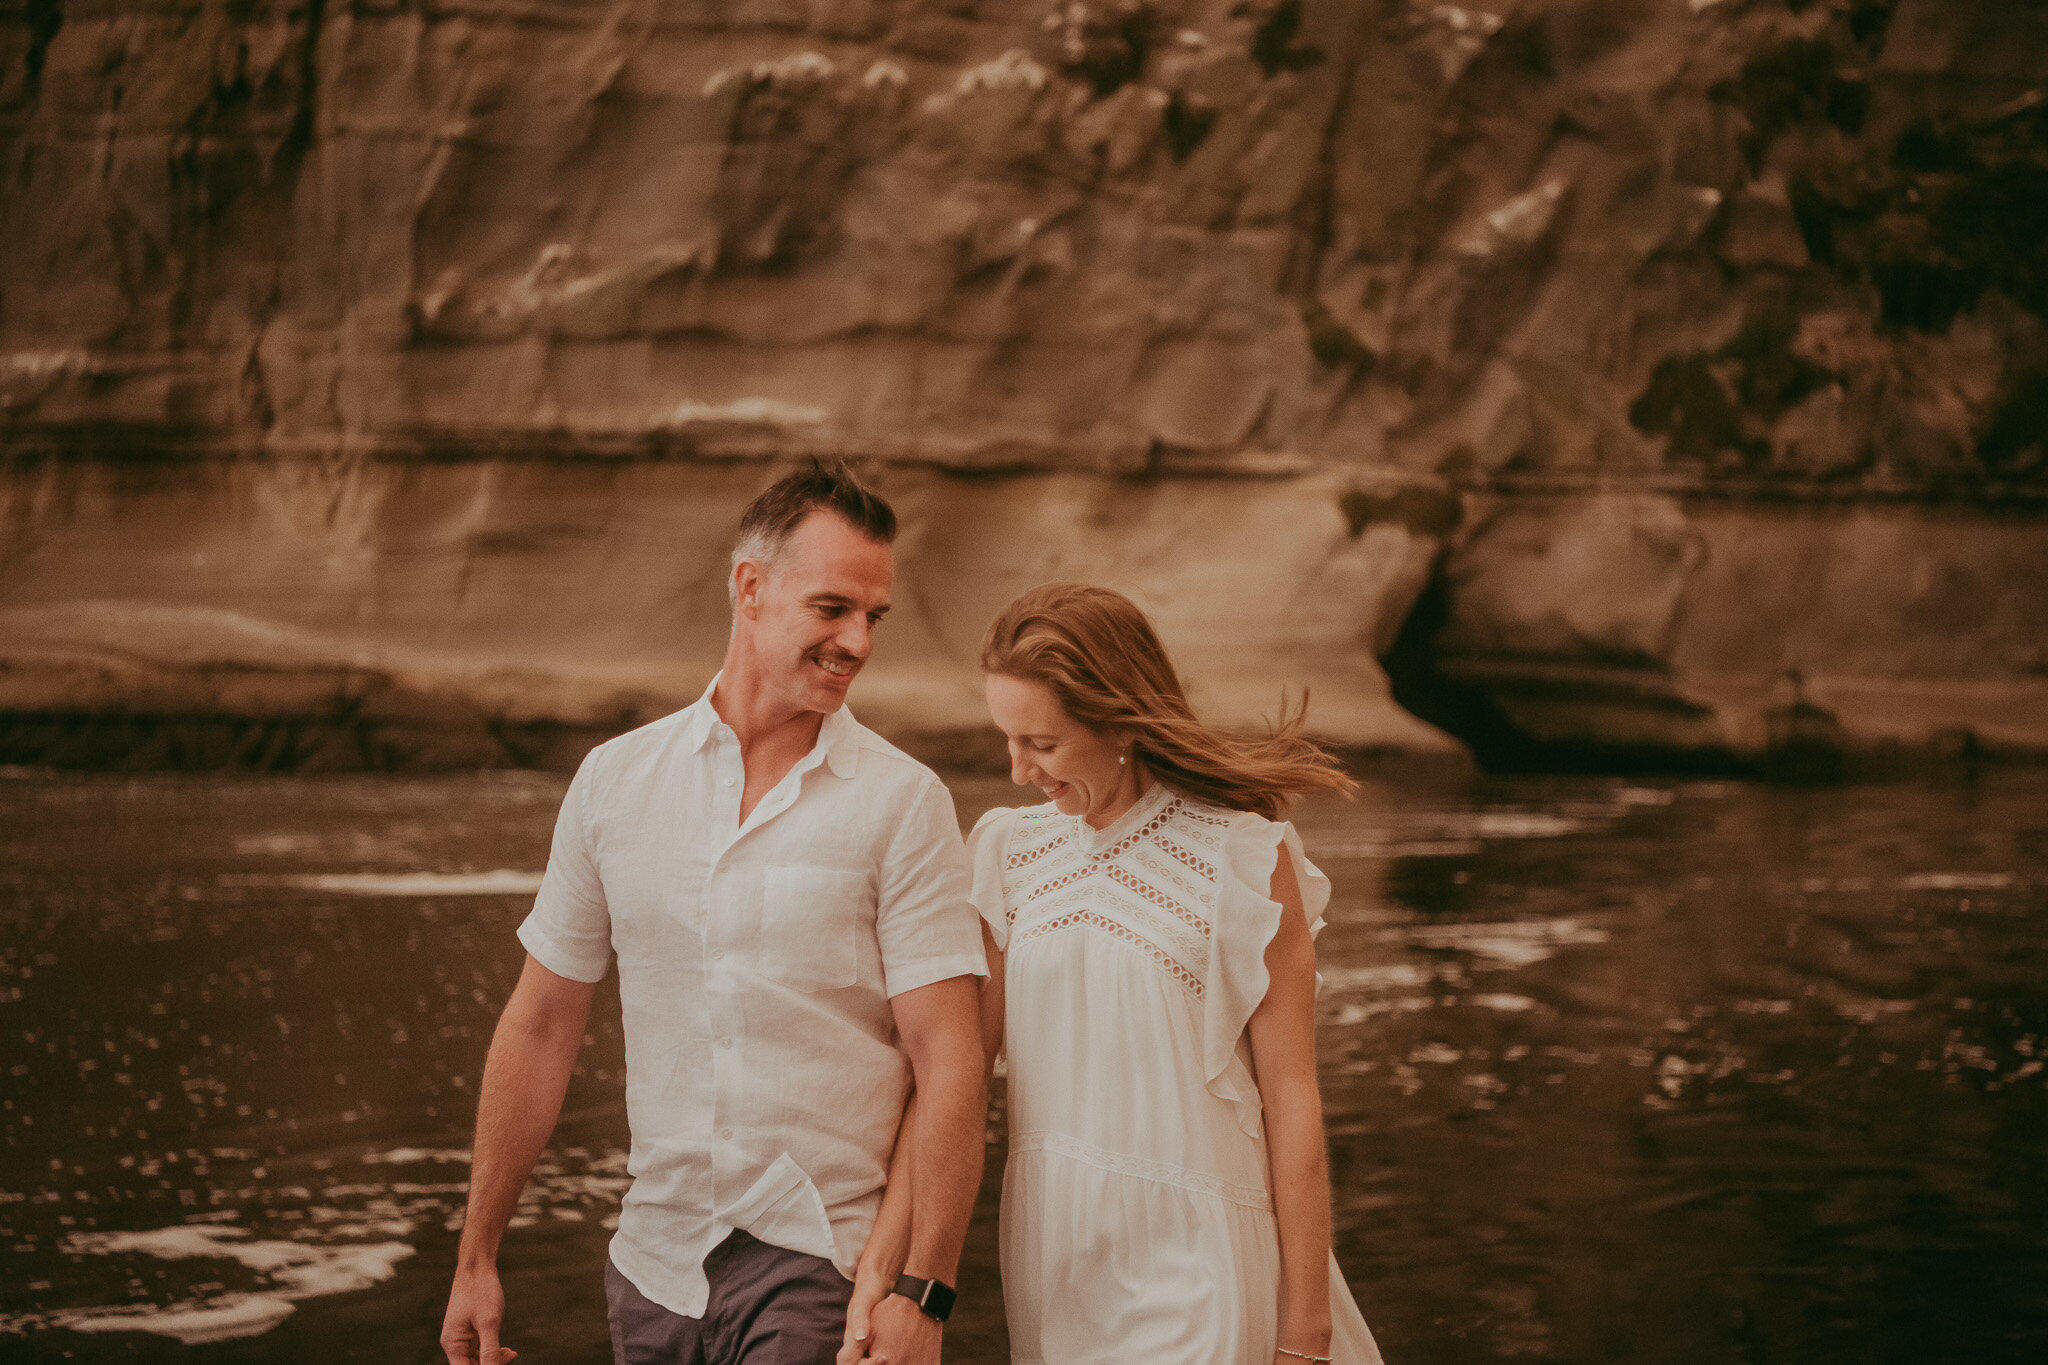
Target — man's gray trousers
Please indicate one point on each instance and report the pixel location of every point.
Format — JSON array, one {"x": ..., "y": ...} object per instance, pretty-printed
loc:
[{"x": 768, "y": 1306}]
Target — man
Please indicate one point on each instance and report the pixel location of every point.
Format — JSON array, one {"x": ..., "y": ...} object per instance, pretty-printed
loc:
[{"x": 786, "y": 895}]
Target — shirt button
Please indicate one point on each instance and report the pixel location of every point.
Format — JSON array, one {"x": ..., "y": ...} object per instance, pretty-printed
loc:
[
  {"x": 718, "y": 954},
  {"x": 728, "y": 782},
  {"x": 725, "y": 1134},
  {"x": 725, "y": 1042}
]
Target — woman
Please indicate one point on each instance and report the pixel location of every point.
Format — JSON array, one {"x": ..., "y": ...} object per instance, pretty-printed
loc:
[{"x": 1152, "y": 976}]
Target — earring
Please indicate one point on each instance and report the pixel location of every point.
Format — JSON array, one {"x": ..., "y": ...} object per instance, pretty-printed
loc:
[{"x": 1120, "y": 760}]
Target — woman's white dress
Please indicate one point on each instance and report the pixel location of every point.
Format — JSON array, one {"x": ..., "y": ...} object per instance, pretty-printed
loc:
[{"x": 1137, "y": 1223}]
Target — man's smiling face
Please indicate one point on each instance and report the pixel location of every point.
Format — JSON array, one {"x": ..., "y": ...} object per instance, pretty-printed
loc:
[{"x": 808, "y": 618}]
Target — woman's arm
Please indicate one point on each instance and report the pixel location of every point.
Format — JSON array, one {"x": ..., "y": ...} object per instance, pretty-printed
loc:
[
  {"x": 881, "y": 1260},
  {"x": 991, "y": 1001},
  {"x": 1283, "y": 1037}
]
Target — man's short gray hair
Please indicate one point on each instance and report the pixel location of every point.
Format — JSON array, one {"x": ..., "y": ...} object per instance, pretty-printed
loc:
[{"x": 770, "y": 519}]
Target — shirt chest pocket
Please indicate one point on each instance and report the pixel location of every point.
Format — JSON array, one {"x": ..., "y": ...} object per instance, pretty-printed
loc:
[{"x": 811, "y": 920}]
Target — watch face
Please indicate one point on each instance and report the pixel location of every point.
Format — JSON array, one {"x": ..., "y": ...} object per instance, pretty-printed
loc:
[{"x": 933, "y": 1299}]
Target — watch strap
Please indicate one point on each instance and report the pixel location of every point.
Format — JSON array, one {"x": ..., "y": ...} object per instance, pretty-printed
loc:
[{"x": 933, "y": 1298}]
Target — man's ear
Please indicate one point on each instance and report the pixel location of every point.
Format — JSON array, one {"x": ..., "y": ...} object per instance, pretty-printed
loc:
[{"x": 746, "y": 588}]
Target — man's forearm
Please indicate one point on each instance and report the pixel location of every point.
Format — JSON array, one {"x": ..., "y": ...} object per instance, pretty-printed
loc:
[
  {"x": 525, "y": 1078},
  {"x": 889, "y": 1242},
  {"x": 946, "y": 1139}
]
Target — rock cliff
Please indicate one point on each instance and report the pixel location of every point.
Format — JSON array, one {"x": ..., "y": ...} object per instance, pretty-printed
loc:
[
  {"x": 294, "y": 614},
  {"x": 375, "y": 373}
]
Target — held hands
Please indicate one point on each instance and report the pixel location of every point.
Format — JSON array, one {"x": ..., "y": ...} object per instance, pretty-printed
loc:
[
  {"x": 900, "y": 1334},
  {"x": 884, "y": 1328},
  {"x": 869, "y": 1289}
]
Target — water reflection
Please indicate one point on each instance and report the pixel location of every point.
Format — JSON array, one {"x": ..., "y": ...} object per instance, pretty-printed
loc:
[{"x": 1614, "y": 1071}]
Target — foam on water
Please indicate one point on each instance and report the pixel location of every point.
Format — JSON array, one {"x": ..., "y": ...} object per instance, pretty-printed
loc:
[
  {"x": 1958, "y": 881},
  {"x": 1326, "y": 846},
  {"x": 1385, "y": 976},
  {"x": 195, "y": 1323},
  {"x": 1521, "y": 943},
  {"x": 410, "y": 1156},
  {"x": 1396, "y": 833},
  {"x": 1505, "y": 1002},
  {"x": 298, "y": 1270},
  {"x": 301, "y": 1271}
]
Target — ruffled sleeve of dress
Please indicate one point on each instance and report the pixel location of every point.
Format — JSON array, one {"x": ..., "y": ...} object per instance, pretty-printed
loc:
[
  {"x": 1247, "y": 917},
  {"x": 988, "y": 847}
]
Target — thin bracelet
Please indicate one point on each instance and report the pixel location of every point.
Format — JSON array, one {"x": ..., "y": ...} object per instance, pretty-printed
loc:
[{"x": 1303, "y": 1355}]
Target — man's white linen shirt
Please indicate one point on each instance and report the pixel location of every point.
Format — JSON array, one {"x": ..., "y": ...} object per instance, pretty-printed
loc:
[{"x": 764, "y": 1084}]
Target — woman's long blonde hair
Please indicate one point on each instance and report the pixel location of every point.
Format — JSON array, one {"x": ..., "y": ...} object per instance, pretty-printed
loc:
[{"x": 1099, "y": 656}]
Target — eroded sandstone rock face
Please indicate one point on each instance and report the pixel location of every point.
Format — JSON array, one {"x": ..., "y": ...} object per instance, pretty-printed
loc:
[
  {"x": 1648, "y": 627},
  {"x": 304, "y": 614},
  {"x": 1765, "y": 237},
  {"x": 327, "y": 264}
]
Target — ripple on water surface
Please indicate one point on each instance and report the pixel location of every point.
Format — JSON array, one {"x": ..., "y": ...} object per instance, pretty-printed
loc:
[{"x": 1606, "y": 1066}]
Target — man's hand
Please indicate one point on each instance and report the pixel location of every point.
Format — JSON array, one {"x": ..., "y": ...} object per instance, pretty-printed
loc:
[
  {"x": 476, "y": 1310},
  {"x": 900, "y": 1334},
  {"x": 532, "y": 1052}
]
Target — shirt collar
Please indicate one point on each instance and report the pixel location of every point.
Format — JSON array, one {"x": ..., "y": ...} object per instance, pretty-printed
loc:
[
  {"x": 702, "y": 715},
  {"x": 838, "y": 735}
]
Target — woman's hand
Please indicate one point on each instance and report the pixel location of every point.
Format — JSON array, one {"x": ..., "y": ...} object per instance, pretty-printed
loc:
[
  {"x": 881, "y": 1260},
  {"x": 869, "y": 1289},
  {"x": 901, "y": 1334}
]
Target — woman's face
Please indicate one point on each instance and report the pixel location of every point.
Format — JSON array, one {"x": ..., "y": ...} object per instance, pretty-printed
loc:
[{"x": 1074, "y": 766}]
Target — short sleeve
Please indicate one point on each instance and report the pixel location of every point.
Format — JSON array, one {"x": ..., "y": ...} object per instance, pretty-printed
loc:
[
  {"x": 1247, "y": 917},
  {"x": 569, "y": 931},
  {"x": 923, "y": 920},
  {"x": 988, "y": 847}
]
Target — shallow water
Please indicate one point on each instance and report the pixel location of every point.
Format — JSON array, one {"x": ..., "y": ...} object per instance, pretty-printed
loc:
[{"x": 1615, "y": 1072}]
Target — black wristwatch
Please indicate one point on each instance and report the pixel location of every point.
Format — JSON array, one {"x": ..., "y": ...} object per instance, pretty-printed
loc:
[{"x": 933, "y": 1299}]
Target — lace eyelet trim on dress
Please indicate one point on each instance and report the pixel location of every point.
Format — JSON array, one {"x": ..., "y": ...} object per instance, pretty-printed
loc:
[
  {"x": 1166, "y": 872},
  {"x": 1158, "y": 890},
  {"x": 1153, "y": 895},
  {"x": 1057, "y": 883},
  {"x": 1029, "y": 856},
  {"x": 1201, "y": 865},
  {"x": 1118, "y": 931},
  {"x": 1117, "y": 1163},
  {"x": 1142, "y": 832}
]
